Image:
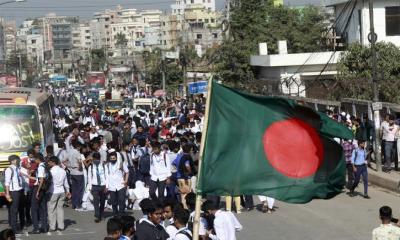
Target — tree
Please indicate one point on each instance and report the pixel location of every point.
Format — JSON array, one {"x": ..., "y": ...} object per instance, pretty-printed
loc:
[
  {"x": 256, "y": 21},
  {"x": 121, "y": 40},
  {"x": 354, "y": 73},
  {"x": 98, "y": 59},
  {"x": 13, "y": 61}
]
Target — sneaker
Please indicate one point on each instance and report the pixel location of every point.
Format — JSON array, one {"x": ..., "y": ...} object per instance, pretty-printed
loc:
[
  {"x": 35, "y": 231},
  {"x": 97, "y": 220},
  {"x": 79, "y": 209},
  {"x": 366, "y": 196}
]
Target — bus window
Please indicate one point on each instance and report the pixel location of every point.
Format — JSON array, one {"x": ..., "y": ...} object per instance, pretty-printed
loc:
[
  {"x": 19, "y": 127},
  {"x": 45, "y": 115}
]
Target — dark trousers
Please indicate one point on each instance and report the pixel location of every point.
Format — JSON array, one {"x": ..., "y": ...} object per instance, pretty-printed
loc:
[
  {"x": 389, "y": 147},
  {"x": 99, "y": 199},
  {"x": 39, "y": 209},
  {"x": 361, "y": 171},
  {"x": 350, "y": 175},
  {"x": 117, "y": 201},
  {"x": 247, "y": 201},
  {"x": 14, "y": 209},
  {"x": 77, "y": 189},
  {"x": 158, "y": 186},
  {"x": 171, "y": 194},
  {"x": 144, "y": 178}
]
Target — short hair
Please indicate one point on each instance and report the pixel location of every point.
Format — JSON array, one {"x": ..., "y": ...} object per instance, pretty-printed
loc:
[
  {"x": 7, "y": 234},
  {"x": 156, "y": 145},
  {"x": 169, "y": 203},
  {"x": 191, "y": 200},
  {"x": 31, "y": 152},
  {"x": 391, "y": 117},
  {"x": 127, "y": 223},
  {"x": 54, "y": 159},
  {"x": 13, "y": 157},
  {"x": 208, "y": 205},
  {"x": 96, "y": 156},
  {"x": 50, "y": 149},
  {"x": 113, "y": 225},
  {"x": 146, "y": 204},
  {"x": 35, "y": 144},
  {"x": 186, "y": 148},
  {"x": 182, "y": 216},
  {"x": 385, "y": 213}
]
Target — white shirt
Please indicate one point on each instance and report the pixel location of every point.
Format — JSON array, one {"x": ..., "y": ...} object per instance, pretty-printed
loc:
[
  {"x": 93, "y": 135},
  {"x": 225, "y": 225},
  {"x": 61, "y": 154},
  {"x": 114, "y": 176},
  {"x": 203, "y": 224},
  {"x": 59, "y": 179},
  {"x": 182, "y": 236},
  {"x": 160, "y": 167},
  {"x": 389, "y": 132},
  {"x": 92, "y": 175},
  {"x": 171, "y": 230},
  {"x": 13, "y": 179}
]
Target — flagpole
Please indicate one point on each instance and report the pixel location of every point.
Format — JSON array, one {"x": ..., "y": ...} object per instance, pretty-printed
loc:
[{"x": 196, "y": 221}]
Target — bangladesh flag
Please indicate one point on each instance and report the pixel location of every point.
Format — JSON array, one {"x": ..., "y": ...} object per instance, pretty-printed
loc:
[{"x": 270, "y": 146}]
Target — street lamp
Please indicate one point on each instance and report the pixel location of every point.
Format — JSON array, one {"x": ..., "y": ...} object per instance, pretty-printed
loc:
[{"x": 14, "y": 1}]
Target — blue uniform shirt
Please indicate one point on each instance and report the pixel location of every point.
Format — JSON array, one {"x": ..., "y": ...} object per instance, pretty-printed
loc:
[{"x": 361, "y": 156}]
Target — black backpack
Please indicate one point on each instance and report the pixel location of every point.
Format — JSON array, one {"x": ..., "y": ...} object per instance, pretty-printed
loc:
[
  {"x": 48, "y": 178},
  {"x": 144, "y": 161}
]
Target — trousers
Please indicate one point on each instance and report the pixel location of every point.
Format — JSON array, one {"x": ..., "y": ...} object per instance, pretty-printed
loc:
[
  {"x": 39, "y": 209},
  {"x": 56, "y": 211},
  {"x": 117, "y": 200},
  {"x": 361, "y": 171},
  {"x": 350, "y": 175},
  {"x": 389, "y": 147},
  {"x": 77, "y": 190},
  {"x": 99, "y": 199},
  {"x": 158, "y": 186},
  {"x": 14, "y": 209}
]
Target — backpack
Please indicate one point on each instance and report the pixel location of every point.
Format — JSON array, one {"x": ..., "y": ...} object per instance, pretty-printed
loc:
[
  {"x": 48, "y": 179},
  {"x": 144, "y": 162},
  {"x": 185, "y": 233}
]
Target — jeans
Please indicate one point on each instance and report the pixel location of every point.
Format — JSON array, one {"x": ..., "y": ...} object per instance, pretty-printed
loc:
[
  {"x": 247, "y": 201},
  {"x": 77, "y": 190},
  {"x": 361, "y": 171},
  {"x": 99, "y": 199},
  {"x": 158, "y": 186},
  {"x": 39, "y": 209},
  {"x": 117, "y": 201},
  {"x": 56, "y": 211}
]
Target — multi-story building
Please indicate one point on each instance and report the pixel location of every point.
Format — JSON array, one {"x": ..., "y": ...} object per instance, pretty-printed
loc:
[
  {"x": 85, "y": 35},
  {"x": 201, "y": 26},
  {"x": 10, "y": 38},
  {"x": 34, "y": 48},
  {"x": 25, "y": 28},
  {"x": 100, "y": 28},
  {"x": 170, "y": 30},
  {"x": 2, "y": 42},
  {"x": 180, "y": 5},
  {"x": 62, "y": 40},
  {"x": 386, "y": 21}
]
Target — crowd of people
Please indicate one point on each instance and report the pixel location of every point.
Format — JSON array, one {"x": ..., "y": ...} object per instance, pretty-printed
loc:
[{"x": 142, "y": 160}]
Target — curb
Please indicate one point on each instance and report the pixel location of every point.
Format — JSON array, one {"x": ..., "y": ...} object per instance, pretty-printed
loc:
[{"x": 384, "y": 180}]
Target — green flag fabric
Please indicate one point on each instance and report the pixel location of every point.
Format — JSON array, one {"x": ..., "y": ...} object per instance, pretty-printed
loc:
[{"x": 269, "y": 146}]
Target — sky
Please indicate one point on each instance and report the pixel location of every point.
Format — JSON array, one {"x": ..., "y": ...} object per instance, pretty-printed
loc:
[{"x": 85, "y": 8}]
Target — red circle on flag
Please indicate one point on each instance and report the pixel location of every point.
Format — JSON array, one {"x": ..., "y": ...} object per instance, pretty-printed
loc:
[{"x": 293, "y": 148}]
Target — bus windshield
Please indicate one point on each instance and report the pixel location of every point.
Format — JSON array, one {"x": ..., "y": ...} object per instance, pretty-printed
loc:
[
  {"x": 19, "y": 128},
  {"x": 114, "y": 105}
]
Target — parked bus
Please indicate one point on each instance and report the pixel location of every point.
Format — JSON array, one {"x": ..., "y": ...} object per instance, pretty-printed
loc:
[{"x": 25, "y": 118}]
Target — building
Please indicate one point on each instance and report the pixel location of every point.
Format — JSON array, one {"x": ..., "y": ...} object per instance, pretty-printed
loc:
[
  {"x": 170, "y": 30},
  {"x": 300, "y": 74},
  {"x": 2, "y": 42},
  {"x": 85, "y": 35},
  {"x": 180, "y": 5},
  {"x": 201, "y": 26},
  {"x": 25, "y": 28},
  {"x": 100, "y": 28},
  {"x": 34, "y": 48},
  {"x": 62, "y": 40},
  {"x": 386, "y": 20}
]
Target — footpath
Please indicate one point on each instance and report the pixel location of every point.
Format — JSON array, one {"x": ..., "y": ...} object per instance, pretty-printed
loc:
[{"x": 389, "y": 181}]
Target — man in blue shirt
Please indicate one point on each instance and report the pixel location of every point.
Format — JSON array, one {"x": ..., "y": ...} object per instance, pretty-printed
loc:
[{"x": 359, "y": 162}]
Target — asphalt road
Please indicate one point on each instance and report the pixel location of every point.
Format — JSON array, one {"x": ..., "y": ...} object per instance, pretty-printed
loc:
[{"x": 341, "y": 218}]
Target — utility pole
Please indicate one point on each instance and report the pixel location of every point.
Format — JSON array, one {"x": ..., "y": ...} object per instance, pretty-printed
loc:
[
  {"x": 372, "y": 38},
  {"x": 163, "y": 73},
  {"x": 20, "y": 68}
]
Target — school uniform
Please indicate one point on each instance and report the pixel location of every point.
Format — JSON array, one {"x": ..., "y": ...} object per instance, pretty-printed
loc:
[
  {"x": 57, "y": 192},
  {"x": 39, "y": 206},
  {"x": 160, "y": 170},
  {"x": 97, "y": 184},
  {"x": 115, "y": 184},
  {"x": 14, "y": 182}
]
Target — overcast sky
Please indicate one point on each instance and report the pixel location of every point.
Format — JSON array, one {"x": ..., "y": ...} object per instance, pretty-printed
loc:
[{"x": 85, "y": 8}]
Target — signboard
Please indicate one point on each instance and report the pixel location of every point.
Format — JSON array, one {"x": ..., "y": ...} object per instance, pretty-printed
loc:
[
  {"x": 198, "y": 87},
  {"x": 376, "y": 106}
]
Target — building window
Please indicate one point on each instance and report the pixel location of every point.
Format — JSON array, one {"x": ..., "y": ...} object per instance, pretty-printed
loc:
[
  {"x": 392, "y": 21},
  {"x": 33, "y": 41},
  {"x": 137, "y": 43},
  {"x": 191, "y": 1},
  {"x": 215, "y": 35},
  {"x": 199, "y": 36},
  {"x": 206, "y": 20},
  {"x": 212, "y": 20}
]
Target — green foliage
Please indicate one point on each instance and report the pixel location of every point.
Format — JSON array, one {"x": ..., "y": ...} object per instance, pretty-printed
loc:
[
  {"x": 98, "y": 59},
  {"x": 121, "y": 40},
  {"x": 256, "y": 21},
  {"x": 13, "y": 62},
  {"x": 354, "y": 77}
]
